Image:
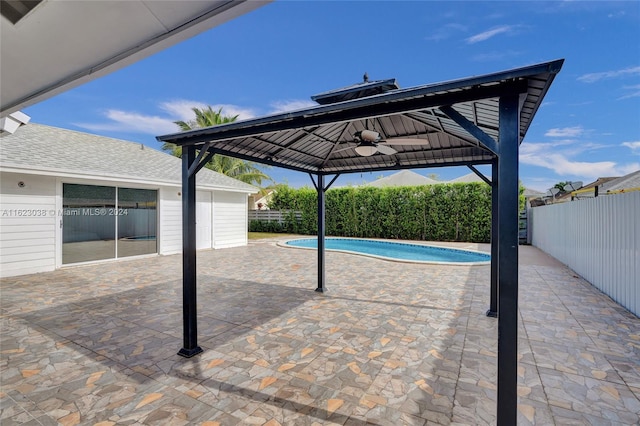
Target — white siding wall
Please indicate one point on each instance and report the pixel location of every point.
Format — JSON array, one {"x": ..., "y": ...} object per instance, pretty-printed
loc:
[
  {"x": 204, "y": 221},
  {"x": 229, "y": 219},
  {"x": 27, "y": 243},
  {"x": 170, "y": 206},
  {"x": 599, "y": 239}
]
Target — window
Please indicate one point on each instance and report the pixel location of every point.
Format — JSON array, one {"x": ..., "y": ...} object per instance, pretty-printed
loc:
[{"x": 94, "y": 215}]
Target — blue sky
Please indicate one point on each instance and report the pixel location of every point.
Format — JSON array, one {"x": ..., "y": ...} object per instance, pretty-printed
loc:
[{"x": 274, "y": 58}]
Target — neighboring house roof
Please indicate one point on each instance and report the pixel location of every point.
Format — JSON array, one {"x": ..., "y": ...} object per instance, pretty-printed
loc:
[
  {"x": 469, "y": 178},
  {"x": 264, "y": 199},
  {"x": 403, "y": 178},
  {"x": 588, "y": 194},
  {"x": 529, "y": 193},
  {"x": 599, "y": 182},
  {"x": 632, "y": 180},
  {"x": 409, "y": 178},
  {"x": 41, "y": 149}
]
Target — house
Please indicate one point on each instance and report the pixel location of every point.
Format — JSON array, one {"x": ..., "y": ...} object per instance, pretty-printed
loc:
[
  {"x": 261, "y": 200},
  {"x": 69, "y": 197},
  {"x": 603, "y": 186},
  {"x": 625, "y": 183}
]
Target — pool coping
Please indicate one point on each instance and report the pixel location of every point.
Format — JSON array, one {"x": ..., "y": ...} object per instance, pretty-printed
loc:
[{"x": 283, "y": 243}]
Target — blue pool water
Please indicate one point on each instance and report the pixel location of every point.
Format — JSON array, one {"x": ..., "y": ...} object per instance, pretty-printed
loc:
[{"x": 394, "y": 250}]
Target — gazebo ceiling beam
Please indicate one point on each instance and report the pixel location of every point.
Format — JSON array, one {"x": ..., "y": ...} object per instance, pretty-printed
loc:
[
  {"x": 485, "y": 140},
  {"x": 336, "y": 144},
  {"x": 302, "y": 138},
  {"x": 473, "y": 143}
]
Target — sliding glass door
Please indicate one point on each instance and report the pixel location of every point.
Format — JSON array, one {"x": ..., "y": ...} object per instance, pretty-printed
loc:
[
  {"x": 94, "y": 215},
  {"x": 137, "y": 223}
]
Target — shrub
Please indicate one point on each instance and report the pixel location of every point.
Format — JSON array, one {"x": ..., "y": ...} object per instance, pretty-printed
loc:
[{"x": 442, "y": 212}]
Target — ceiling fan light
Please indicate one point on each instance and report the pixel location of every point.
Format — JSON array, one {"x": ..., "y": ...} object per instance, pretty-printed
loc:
[
  {"x": 366, "y": 150},
  {"x": 369, "y": 135}
]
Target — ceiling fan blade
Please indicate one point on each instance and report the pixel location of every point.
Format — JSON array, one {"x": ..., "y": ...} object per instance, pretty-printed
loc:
[
  {"x": 405, "y": 141},
  {"x": 384, "y": 149}
]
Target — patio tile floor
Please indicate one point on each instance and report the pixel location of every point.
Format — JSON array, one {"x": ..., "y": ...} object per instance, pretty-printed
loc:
[{"x": 388, "y": 344}]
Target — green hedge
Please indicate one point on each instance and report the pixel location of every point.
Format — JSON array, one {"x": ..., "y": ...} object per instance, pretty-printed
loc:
[
  {"x": 266, "y": 226},
  {"x": 443, "y": 212}
]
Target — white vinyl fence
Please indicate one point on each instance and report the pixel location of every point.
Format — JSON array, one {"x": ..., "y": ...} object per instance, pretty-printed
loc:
[{"x": 599, "y": 239}]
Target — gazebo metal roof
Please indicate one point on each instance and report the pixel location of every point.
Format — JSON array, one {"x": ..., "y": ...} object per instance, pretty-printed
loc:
[
  {"x": 312, "y": 139},
  {"x": 477, "y": 120}
]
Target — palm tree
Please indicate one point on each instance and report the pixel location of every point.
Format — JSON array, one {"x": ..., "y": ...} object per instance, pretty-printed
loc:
[
  {"x": 246, "y": 171},
  {"x": 560, "y": 185}
]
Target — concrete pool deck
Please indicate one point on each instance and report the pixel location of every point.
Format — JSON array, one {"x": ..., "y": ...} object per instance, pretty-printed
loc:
[{"x": 388, "y": 344}]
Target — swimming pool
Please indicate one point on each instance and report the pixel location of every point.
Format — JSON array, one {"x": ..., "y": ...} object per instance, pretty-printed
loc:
[{"x": 390, "y": 250}]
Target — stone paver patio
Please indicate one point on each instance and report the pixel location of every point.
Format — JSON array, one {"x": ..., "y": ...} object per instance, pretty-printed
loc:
[{"x": 389, "y": 344}]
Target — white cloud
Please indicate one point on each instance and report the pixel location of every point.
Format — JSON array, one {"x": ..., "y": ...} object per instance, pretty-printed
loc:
[
  {"x": 565, "y": 132},
  {"x": 181, "y": 109},
  {"x": 597, "y": 76},
  {"x": 290, "y": 105},
  {"x": 553, "y": 157},
  {"x": 634, "y": 146},
  {"x": 635, "y": 92},
  {"x": 618, "y": 14},
  {"x": 486, "y": 35},
  {"x": 446, "y": 32},
  {"x": 127, "y": 121}
]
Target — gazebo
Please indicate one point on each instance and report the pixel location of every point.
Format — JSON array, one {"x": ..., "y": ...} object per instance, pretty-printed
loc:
[{"x": 374, "y": 126}]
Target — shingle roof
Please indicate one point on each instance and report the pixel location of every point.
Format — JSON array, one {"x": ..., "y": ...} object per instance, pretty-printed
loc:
[
  {"x": 529, "y": 193},
  {"x": 403, "y": 178},
  {"x": 56, "y": 151},
  {"x": 468, "y": 178},
  {"x": 632, "y": 180}
]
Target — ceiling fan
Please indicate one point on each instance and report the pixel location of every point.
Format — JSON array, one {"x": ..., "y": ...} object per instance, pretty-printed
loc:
[{"x": 370, "y": 142}]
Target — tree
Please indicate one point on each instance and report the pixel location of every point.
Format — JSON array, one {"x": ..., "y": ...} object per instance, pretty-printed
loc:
[
  {"x": 560, "y": 185},
  {"x": 246, "y": 171}
]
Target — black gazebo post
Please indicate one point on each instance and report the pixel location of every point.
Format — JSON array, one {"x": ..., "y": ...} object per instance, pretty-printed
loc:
[
  {"x": 189, "y": 314},
  {"x": 495, "y": 238},
  {"x": 321, "y": 210},
  {"x": 321, "y": 189},
  {"x": 508, "y": 260}
]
